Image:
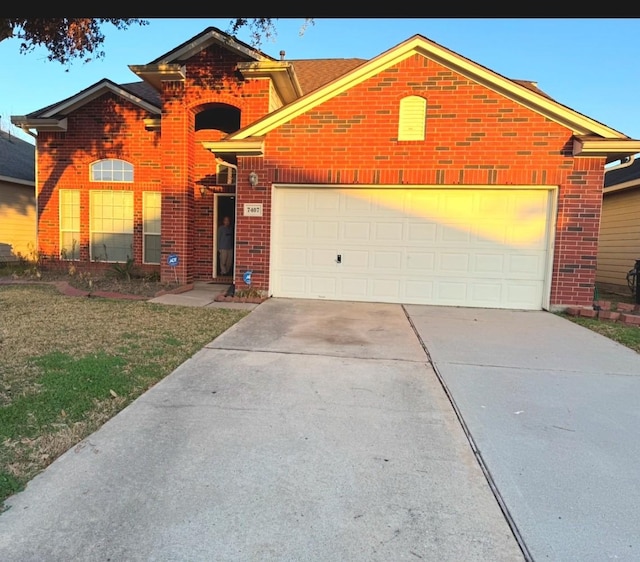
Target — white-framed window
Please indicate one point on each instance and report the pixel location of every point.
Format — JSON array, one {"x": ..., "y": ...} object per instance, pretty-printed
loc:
[
  {"x": 112, "y": 170},
  {"x": 69, "y": 224},
  {"x": 151, "y": 211},
  {"x": 413, "y": 116},
  {"x": 111, "y": 225}
]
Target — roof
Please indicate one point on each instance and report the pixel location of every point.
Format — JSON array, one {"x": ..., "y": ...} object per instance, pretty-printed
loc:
[
  {"x": 623, "y": 176},
  {"x": 17, "y": 158},
  {"x": 315, "y": 73},
  {"x": 304, "y": 84}
]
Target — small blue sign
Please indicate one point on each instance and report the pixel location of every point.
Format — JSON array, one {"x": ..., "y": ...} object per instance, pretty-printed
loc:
[
  {"x": 247, "y": 277},
  {"x": 173, "y": 260}
]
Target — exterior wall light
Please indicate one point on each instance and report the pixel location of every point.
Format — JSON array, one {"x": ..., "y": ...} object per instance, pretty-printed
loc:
[{"x": 253, "y": 179}]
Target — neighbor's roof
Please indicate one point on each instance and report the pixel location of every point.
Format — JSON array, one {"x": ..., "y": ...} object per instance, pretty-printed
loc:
[
  {"x": 623, "y": 176},
  {"x": 17, "y": 158}
]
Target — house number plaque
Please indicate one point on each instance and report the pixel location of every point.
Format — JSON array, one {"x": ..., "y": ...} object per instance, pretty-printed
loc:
[{"x": 253, "y": 209}]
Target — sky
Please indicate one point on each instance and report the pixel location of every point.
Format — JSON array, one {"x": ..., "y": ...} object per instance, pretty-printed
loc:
[{"x": 587, "y": 64}]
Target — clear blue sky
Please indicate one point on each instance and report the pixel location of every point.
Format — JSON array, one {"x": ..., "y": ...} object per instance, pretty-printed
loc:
[{"x": 590, "y": 65}]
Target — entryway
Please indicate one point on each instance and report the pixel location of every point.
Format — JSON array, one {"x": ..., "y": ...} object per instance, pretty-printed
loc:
[{"x": 225, "y": 206}]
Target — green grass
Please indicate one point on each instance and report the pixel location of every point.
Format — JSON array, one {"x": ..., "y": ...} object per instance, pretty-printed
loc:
[
  {"x": 629, "y": 336},
  {"x": 69, "y": 364}
]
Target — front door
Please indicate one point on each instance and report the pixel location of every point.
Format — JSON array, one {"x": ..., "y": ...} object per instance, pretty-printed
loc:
[{"x": 225, "y": 206}]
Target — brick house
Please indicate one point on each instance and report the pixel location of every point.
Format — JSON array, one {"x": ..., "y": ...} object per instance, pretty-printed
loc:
[{"x": 418, "y": 176}]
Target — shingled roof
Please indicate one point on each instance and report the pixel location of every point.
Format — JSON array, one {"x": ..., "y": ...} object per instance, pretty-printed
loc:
[
  {"x": 315, "y": 73},
  {"x": 17, "y": 158},
  {"x": 622, "y": 175}
]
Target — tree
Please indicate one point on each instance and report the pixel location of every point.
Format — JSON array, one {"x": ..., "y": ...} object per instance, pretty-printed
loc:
[{"x": 67, "y": 39}]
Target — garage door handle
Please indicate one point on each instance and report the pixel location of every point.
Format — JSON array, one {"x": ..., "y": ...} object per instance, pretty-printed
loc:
[{"x": 339, "y": 258}]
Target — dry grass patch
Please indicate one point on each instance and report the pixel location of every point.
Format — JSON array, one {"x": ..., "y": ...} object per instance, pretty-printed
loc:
[{"x": 69, "y": 364}]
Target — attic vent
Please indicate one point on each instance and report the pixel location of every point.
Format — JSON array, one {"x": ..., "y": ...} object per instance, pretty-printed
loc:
[
  {"x": 413, "y": 113},
  {"x": 225, "y": 175}
]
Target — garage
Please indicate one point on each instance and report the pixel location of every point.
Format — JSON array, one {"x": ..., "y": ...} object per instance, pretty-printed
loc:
[{"x": 453, "y": 246}]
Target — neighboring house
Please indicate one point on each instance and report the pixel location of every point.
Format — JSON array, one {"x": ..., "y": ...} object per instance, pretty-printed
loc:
[
  {"x": 418, "y": 176},
  {"x": 619, "y": 240},
  {"x": 17, "y": 198}
]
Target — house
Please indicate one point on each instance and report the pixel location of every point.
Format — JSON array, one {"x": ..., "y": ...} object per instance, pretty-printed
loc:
[
  {"x": 418, "y": 176},
  {"x": 619, "y": 240},
  {"x": 17, "y": 198}
]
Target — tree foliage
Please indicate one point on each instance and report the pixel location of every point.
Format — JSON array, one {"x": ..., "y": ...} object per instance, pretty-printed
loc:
[{"x": 67, "y": 39}]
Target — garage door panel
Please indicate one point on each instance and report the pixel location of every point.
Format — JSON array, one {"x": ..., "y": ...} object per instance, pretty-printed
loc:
[
  {"x": 326, "y": 201},
  {"x": 450, "y": 292},
  {"x": 531, "y": 265},
  {"x": 421, "y": 232},
  {"x": 355, "y": 259},
  {"x": 325, "y": 230},
  {"x": 443, "y": 246},
  {"x": 518, "y": 295},
  {"x": 388, "y": 261},
  {"x": 295, "y": 255},
  {"x": 385, "y": 289},
  {"x": 453, "y": 264},
  {"x": 323, "y": 286},
  {"x": 489, "y": 264},
  {"x": 454, "y": 234},
  {"x": 355, "y": 288},
  {"x": 294, "y": 229},
  {"x": 320, "y": 258},
  {"x": 420, "y": 262},
  {"x": 294, "y": 285},
  {"x": 417, "y": 291},
  {"x": 357, "y": 230},
  {"x": 388, "y": 231},
  {"x": 488, "y": 294}
]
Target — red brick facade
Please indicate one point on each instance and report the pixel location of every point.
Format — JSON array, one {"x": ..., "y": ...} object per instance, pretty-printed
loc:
[{"x": 474, "y": 136}]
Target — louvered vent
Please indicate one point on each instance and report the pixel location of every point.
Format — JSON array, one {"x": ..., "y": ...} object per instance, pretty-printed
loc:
[{"x": 413, "y": 113}]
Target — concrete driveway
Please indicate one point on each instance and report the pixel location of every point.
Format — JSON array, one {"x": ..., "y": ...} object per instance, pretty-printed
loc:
[
  {"x": 330, "y": 431},
  {"x": 553, "y": 410},
  {"x": 309, "y": 431}
]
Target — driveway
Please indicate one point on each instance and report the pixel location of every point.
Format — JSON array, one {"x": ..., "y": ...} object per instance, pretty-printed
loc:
[
  {"x": 335, "y": 431},
  {"x": 553, "y": 410},
  {"x": 309, "y": 431}
]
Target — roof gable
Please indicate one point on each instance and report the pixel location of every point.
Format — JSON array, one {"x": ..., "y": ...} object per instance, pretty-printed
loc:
[
  {"x": 524, "y": 93},
  {"x": 92, "y": 92},
  {"x": 54, "y": 117},
  {"x": 209, "y": 36}
]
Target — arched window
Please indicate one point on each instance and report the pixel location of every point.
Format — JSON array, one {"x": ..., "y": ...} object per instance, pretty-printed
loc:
[
  {"x": 113, "y": 170},
  {"x": 413, "y": 115}
]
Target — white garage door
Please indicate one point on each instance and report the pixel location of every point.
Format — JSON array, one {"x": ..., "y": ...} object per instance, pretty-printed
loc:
[{"x": 442, "y": 246}]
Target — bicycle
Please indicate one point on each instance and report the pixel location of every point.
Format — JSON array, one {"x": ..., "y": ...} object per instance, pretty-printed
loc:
[{"x": 632, "y": 275}]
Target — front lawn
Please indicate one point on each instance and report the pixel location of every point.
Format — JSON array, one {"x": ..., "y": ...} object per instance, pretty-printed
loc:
[{"x": 69, "y": 364}]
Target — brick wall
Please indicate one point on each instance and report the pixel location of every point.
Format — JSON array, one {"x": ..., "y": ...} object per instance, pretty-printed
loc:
[{"x": 474, "y": 136}]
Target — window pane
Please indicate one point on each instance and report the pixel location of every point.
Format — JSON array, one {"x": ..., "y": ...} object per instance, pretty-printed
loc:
[
  {"x": 151, "y": 203},
  {"x": 111, "y": 237},
  {"x": 69, "y": 224},
  {"x": 112, "y": 170},
  {"x": 152, "y": 248}
]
